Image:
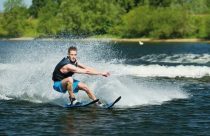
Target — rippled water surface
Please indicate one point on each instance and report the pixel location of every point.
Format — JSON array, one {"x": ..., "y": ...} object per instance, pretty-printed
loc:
[{"x": 164, "y": 87}]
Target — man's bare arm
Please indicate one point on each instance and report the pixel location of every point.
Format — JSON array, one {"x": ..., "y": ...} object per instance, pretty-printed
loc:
[
  {"x": 88, "y": 71},
  {"x": 85, "y": 67}
]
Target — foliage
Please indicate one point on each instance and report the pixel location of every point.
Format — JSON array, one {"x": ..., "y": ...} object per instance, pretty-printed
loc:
[
  {"x": 126, "y": 18},
  {"x": 36, "y": 6},
  {"x": 88, "y": 17},
  {"x": 15, "y": 15},
  {"x": 48, "y": 23},
  {"x": 156, "y": 23},
  {"x": 3, "y": 32},
  {"x": 207, "y": 24}
]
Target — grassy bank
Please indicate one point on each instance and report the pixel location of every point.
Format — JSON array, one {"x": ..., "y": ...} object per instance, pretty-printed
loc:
[{"x": 113, "y": 39}]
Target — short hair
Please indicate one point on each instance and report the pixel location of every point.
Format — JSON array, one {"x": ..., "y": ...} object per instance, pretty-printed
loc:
[{"x": 72, "y": 48}]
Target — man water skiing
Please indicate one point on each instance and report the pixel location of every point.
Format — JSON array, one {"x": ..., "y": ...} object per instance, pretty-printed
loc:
[{"x": 62, "y": 76}]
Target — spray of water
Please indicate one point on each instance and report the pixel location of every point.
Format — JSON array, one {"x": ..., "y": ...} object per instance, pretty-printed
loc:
[
  {"x": 27, "y": 75},
  {"x": 162, "y": 71}
]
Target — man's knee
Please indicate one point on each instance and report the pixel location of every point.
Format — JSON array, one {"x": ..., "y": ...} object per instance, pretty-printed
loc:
[
  {"x": 69, "y": 80},
  {"x": 67, "y": 83},
  {"x": 84, "y": 87}
]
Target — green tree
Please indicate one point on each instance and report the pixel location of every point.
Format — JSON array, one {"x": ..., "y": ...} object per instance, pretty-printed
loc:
[
  {"x": 136, "y": 23},
  {"x": 89, "y": 17},
  {"x": 9, "y": 5},
  {"x": 207, "y": 27},
  {"x": 37, "y": 5},
  {"x": 3, "y": 32},
  {"x": 156, "y": 23},
  {"x": 171, "y": 23},
  {"x": 127, "y": 18},
  {"x": 49, "y": 23},
  {"x": 15, "y": 15},
  {"x": 160, "y": 3},
  {"x": 127, "y": 5}
]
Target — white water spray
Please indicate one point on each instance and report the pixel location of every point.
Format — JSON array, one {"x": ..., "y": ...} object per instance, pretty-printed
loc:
[{"x": 28, "y": 76}]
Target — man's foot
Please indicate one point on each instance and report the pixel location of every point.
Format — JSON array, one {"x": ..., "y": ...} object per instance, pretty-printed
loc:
[{"x": 74, "y": 101}]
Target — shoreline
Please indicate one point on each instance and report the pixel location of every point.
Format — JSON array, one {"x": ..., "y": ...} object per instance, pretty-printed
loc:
[
  {"x": 183, "y": 40},
  {"x": 119, "y": 40}
]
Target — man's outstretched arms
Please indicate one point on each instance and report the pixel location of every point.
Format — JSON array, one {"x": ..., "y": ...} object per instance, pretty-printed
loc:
[
  {"x": 82, "y": 69},
  {"x": 106, "y": 74}
]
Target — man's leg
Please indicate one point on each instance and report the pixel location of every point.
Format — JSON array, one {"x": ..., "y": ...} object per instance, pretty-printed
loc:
[
  {"x": 67, "y": 84},
  {"x": 85, "y": 88}
]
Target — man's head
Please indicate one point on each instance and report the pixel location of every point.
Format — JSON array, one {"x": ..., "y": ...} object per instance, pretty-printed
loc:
[{"x": 72, "y": 53}]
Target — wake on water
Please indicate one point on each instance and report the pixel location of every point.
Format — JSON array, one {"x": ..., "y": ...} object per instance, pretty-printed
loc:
[
  {"x": 178, "y": 58},
  {"x": 27, "y": 75}
]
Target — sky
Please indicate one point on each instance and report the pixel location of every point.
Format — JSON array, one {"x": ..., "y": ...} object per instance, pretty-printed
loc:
[{"x": 27, "y": 2}]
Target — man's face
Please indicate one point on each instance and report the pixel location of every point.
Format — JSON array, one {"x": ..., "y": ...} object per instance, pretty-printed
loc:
[{"x": 73, "y": 56}]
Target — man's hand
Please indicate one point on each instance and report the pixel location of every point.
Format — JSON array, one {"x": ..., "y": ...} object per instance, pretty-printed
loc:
[{"x": 105, "y": 74}]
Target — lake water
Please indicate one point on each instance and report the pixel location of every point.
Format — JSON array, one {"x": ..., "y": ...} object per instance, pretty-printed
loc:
[{"x": 164, "y": 87}]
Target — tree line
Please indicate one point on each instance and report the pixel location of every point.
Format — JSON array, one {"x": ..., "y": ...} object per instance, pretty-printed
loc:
[{"x": 121, "y": 18}]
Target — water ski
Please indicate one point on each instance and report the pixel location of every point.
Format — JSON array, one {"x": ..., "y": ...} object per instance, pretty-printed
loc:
[
  {"x": 110, "y": 105},
  {"x": 77, "y": 105}
]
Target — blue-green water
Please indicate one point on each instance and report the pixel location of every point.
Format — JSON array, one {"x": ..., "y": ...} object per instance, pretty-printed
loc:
[{"x": 164, "y": 87}]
